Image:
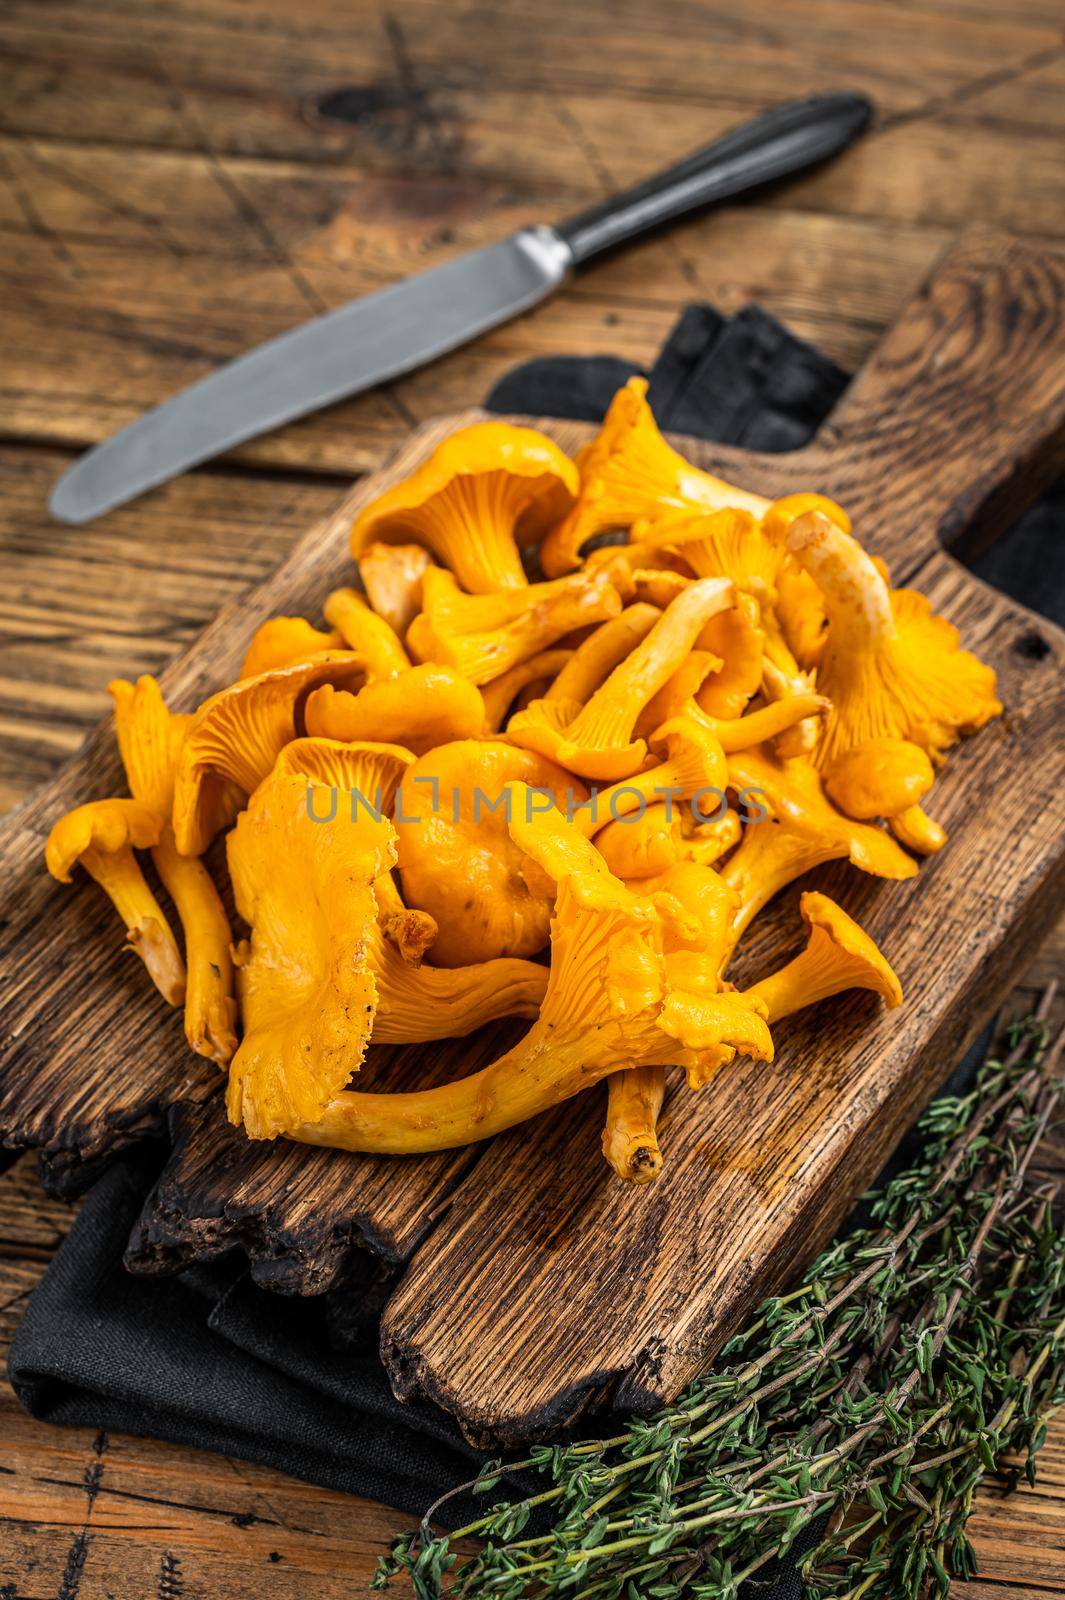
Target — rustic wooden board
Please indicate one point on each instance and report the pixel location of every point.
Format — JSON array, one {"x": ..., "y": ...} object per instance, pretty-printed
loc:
[
  {"x": 297, "y": 1212},
  {"x": 538, "y": 1284}
]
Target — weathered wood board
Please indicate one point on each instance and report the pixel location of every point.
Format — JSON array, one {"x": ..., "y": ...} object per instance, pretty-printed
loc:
[{"x": 536, "y": 1282}]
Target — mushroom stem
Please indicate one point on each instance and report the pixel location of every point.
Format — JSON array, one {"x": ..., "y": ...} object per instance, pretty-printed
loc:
[
  {"x": 630, "y": 1142},
  {"x": 766, "y": 723},
  {"x": 500, "y": 693},
  {"x": 597, "y": 656},
  {"x": 539, "y": 1072},
  {"x": 366, "y": 633},
  {"x": 769, "y": 857},
  {"x": 147, "y": 929},
  {"x": 919, "y": 832},
  {"x": 780, "y": 681},
  {"x": 839, "y": 955},
  {"x": 608, "y": 717},
  {"x": 210, "y": 1008},
  {"x": 859, "y": 598}
]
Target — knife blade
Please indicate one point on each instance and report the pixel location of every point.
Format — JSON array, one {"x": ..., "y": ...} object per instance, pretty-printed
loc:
[{"x": 398, "y": 329}]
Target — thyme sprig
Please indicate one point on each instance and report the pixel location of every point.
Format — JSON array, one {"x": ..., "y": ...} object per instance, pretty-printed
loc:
[{"x": 920, "y": 1353}]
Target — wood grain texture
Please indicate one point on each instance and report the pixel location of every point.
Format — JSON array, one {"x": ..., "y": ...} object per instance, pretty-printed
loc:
[
  {"x": 168, "y": 1522},
  {"x": 107, "y": 318},
  {"x": 296, "y": 1212},
  {"x": 581, "y": 1287},
  {"x": 497, "y": 1319}
]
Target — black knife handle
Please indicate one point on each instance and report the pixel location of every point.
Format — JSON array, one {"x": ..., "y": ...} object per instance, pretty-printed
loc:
[{"x": 792, "y": 136}]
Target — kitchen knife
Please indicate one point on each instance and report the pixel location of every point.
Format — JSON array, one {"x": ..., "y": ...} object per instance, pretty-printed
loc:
[{"x": 400, "y": 328}]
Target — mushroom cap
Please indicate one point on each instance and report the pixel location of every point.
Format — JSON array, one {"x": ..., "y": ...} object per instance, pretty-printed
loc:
[
  {"x": 629, "y": 473},
  {"x": 370, "y": 772},
  {"x": 823, "y": 917},
  {"x": 782, "y": 513},
  {"x": 308, "y": 994},
  {"x": 793, "y": 792},
  {"x": 149, "y": 740},
  {"x": 484, "y": 635},
  {"x": 362, "y": 630},
  {"x": 104, "y": 825},
  {"x": 544, "y": 482},
  {"x": 891, "y": 667},
  {"x": 233, "y": 740},
  {"x": 878, "y": 778},
  {"x": 425, "y": 706},
  {"x": 281, "y": 640},
  {"x": 393, "y": 575},
  {"x": 457, "y": 858}
]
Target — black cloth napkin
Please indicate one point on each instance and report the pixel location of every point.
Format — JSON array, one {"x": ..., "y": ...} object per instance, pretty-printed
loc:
[{"x": 209, "y": 1360}]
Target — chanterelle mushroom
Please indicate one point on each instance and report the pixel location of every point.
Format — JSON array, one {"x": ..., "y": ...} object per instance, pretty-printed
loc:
[
  {"x": 801, "y": 830},
  {"x": 233, "y": 740},
  {"x": 459, "y": 861},
  {"x": 890, "y": 666},
  {"x": 534, "y": 677},
  {"x": 610, "y": 1003},
  {"x": 149, "y": 740},
  {"x": 369, "y": 635},
  {"x": 663, "y": 834},
  {"x": 414, "y": 1003},
  {"x": 483, "y": 495},
  {"x": 629, "y": 472},
  {"x": 839, "y": 955},
  {"x": 282, "y": 640},
  {"x": 393, "y": 575},
  {"x": 630, "y": 1135},
  {"x": 484, "y": 635},
  {"x": 595, "y": 740},
  {"x": 887, "y": 778},
  {"x": 102, "y": 837},
  {"x": 303, "y": 881},
  {"x": 419, "y": 709}
]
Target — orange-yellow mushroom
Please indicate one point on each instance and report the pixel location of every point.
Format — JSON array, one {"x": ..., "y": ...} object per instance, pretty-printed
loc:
[
  {"x": 500, "y": 694},
  {"x": 484, "y": 635},
  {"x": 363, "y": 631},
  {"x": 643, "y": 846},
  {"x": 630, "y": 473},
  {"x": 733, "y": 544},
  {"x": 630, "y": 1137},
  {"x": 232, "y": 741},
  {"x": 736, "y": 637},
  {"x": 609, "y": 1004},
  {"x": 303, "y": 876},
  {"x": 393, "y": 575},
  {"x": 411, "y": 1003},
  {"x": 484, "y": 494},
  {"x": 801, "y": 830},
  {"x": 457, "y": 857},
  {"x": 887, "y": 778},
  {"x": 839, "y": 955},
  {"x": 418, "y": 708},
  {"x": 890, "y": 666},
  {"x": 282, "y": 640},
  {"x": 596, "y": 740},
  {"x": 595, "y": 657},
  {"x": 149, "y": 741},
  {"x": 102, "y": 836}
]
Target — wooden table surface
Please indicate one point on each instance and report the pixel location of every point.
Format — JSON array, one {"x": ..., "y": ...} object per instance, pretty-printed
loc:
[{"x": 179, "y": 181}]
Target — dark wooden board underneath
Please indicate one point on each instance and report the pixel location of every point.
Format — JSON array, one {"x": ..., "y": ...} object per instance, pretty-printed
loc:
[{"x": 536, "y": 1282}]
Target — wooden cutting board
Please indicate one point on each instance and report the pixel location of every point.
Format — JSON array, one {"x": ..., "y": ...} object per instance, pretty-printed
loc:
[{"x": 528, "y": 1283}]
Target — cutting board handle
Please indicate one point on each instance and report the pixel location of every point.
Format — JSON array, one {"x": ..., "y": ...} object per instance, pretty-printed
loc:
[{"x": 958, "y": 418}]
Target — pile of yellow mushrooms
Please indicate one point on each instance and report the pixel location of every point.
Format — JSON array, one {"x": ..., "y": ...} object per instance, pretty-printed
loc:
[{"x": 473, "y": 795}]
